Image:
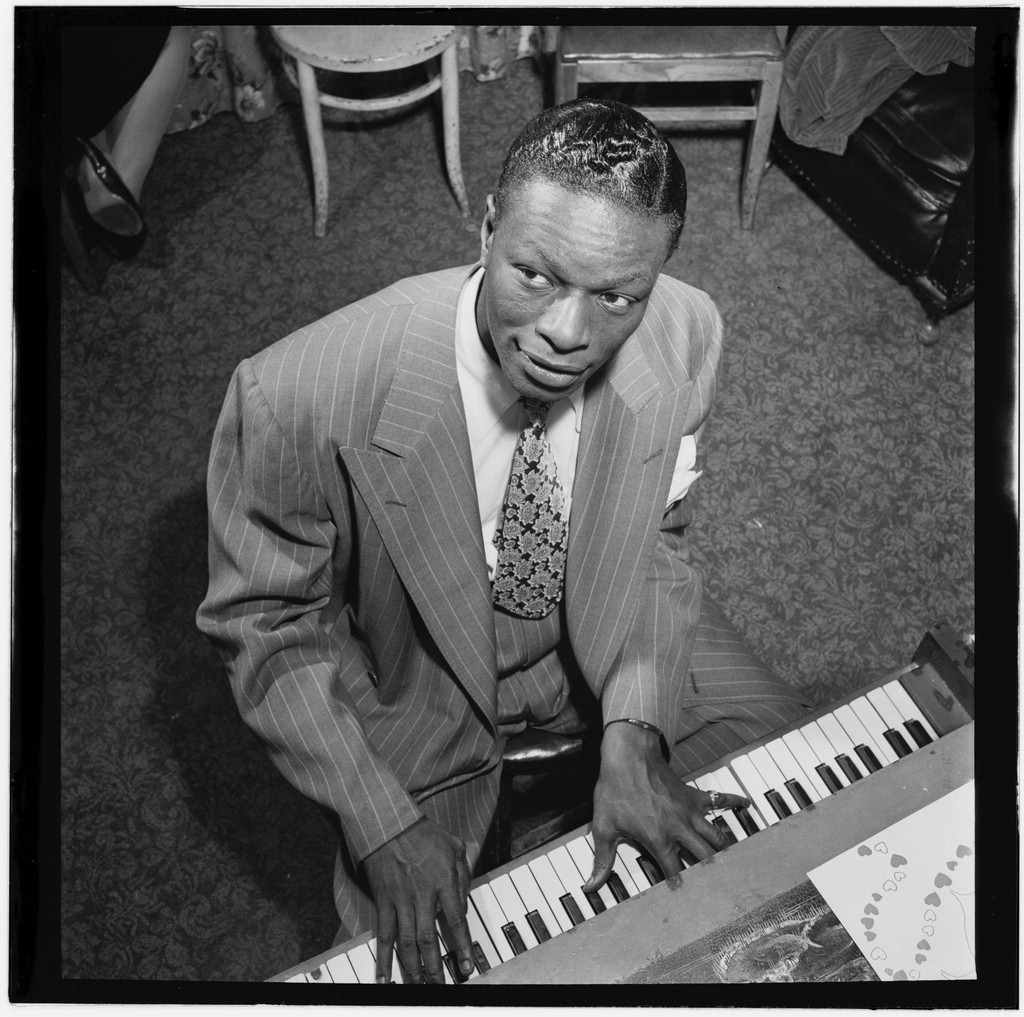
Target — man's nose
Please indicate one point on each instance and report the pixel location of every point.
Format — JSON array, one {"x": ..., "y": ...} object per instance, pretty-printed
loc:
[{"x": 564, "y": 323}]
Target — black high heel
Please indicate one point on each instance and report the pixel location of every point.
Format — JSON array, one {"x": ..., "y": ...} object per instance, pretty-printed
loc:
[{"x": 121, "y": 228}]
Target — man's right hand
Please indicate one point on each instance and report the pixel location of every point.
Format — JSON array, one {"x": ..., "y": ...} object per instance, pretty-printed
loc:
[{"x": 413, "y": 877}]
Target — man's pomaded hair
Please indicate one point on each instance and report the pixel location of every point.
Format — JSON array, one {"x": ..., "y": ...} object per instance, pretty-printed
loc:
[{"x": 603, "y": 148}]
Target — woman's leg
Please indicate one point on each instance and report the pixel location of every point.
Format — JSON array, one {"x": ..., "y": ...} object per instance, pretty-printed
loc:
[{"x": 133, "y": 136}]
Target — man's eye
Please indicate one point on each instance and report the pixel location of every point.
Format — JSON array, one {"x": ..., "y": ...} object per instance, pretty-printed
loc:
[
  {"x": 530, "y": 276},
  {"x": 616, "y": 301}
]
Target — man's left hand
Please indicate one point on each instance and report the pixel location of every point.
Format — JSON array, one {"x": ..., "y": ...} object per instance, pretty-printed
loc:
[{"x": 638, "y": 798}]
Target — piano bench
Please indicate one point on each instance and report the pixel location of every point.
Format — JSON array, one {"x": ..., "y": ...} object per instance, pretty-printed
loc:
[{"x": 525, "y": 818}]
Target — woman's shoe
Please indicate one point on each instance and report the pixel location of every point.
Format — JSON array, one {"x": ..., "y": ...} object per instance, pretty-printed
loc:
[
  {"x": 89, "y": 232},
  {"x": 122, "y": 221}
]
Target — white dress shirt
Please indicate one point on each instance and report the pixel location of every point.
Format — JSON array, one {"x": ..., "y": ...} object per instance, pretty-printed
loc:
[{"x": 494, "y": 419}]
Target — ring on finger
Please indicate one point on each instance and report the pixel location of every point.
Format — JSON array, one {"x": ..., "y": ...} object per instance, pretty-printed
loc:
[{"x": 715, "y": 797}]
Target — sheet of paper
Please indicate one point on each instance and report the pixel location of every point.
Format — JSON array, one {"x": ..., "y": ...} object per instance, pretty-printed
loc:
[{"x": 906, "y": 896}]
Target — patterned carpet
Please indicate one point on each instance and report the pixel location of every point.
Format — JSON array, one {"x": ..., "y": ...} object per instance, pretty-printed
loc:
[{"x": 836, "y": 518}]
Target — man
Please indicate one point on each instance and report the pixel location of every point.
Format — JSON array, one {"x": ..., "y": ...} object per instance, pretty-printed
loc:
[{"x": 458, "y": 507}]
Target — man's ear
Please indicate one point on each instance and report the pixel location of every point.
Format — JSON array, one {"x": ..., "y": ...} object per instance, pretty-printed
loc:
[{"x": 487, "y": 231}]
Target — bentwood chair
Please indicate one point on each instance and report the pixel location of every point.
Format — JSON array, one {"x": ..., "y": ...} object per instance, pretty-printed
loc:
[
  {"x": 679, "y": 54},
  {"x": 369, "y": 49}
]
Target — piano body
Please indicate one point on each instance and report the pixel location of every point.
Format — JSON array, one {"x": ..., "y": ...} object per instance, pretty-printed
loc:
[{"x": 817, "y": 787}]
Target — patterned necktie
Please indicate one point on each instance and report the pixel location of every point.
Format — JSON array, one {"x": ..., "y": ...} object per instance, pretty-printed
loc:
[{"x": 531, "y": 533}]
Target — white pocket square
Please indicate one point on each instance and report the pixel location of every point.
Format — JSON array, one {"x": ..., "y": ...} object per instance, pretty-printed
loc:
[{"x": 684, "y": 474}]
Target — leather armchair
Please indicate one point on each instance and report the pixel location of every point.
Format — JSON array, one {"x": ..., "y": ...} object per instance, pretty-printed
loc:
[{"x": 904, "y": 187}]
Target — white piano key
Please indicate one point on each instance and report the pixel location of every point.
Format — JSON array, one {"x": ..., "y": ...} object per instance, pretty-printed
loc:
[
  {"x": 553, "y": 890},
  {"x": 629, "y": 857},
  {"x": 363, "y": 963},
  {"x": 805, "y": 756},
  {"x": 841, "y": 743},
  {"x": 883, "y": 704},
  {"x": 907, "y": 707},
  {"x": 340, "y": 969},
  {"x": 583, "y": 855},
  {"x": 824, "y": 750},
  {"x": 492, "y": 917},
  {"x": 514, "y": 908},
  {"x": 525, "y": 882},
  {"x": 773, "y": 777},
  {"x": 479, "y": 934},
  {"x": 864, "y": 729},
  {"x": 571, "y": 877},
  {"x": 707, "y": 782},
  {"x": 755, "y": 788},
  {"x": 791, "y": 768}
]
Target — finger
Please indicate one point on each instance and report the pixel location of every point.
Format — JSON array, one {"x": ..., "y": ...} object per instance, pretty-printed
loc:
[
  {"x": 696, "y": 841},
  {"x": 426, "y": 941},
  {"x": 456, "y": 931},
  {"x": 720, "y": 800},
  {"x": 668, "y": 861},
  {"x": 604, "y": 859},
  {"x": 408, "y": 949},
  {"x": 385, "y": 944}
]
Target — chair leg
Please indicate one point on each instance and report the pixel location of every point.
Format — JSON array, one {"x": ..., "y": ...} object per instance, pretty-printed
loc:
[
  {"x": 317, "y": 152},
  {"x": 566, "y": 79},
  {"x": 450, "y": 114},
  {"x": 760, "y": 139}
]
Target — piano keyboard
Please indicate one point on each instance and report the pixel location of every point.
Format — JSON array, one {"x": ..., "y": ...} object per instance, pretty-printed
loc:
[{"x": 522, "y": 905}]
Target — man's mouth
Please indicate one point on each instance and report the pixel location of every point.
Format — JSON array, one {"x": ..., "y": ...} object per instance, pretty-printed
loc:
[{"x": 550, "y": 373}]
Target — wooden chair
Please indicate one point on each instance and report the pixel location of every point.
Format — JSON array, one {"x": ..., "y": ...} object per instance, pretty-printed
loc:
[
  {"x": 362, "y": 49},
  {"x": 685, "y": 53}
]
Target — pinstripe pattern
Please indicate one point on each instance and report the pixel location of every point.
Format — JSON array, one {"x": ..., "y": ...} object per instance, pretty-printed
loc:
[{"x": 348, "y": 586}]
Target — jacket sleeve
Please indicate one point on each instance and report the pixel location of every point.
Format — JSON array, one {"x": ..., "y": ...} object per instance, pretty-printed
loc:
[
  {"x": 648, "y": 680},
  {"x": 271, "y": 547}
]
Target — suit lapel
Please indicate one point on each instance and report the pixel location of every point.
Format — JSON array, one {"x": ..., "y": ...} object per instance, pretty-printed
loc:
[
  {"x": 421, "y": 494},
  {"x": 626, "y": 459}
]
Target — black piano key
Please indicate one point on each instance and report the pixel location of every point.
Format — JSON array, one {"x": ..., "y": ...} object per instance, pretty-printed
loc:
[
  {"x": 724, "y": 829},
  {"x": 540, "y": 930},
  {"x": 480, "y": 957},
  {"x": 828, "y": 778},
  {"x": 618, "y": 889},
  {"x": 800, "y": 796},
  {"x": 848, "y": 767},
  {"x": 745, "y": 820},
  {"x": 572, "y": 909},
  {"x": 651, "y": 871},
  {"x": 778, "y": 804},
  {"x": 918, "y": 733},
  {"x": 515, "y": 940},
  {"x": 898, "y": 743},
  {"x": 868, "y": 757},
  {"x": 316, "y": 974},
  {"x": 594, "y": 900}
]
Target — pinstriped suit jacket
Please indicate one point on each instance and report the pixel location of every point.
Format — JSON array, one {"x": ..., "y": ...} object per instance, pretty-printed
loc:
[{"x": 348, "y": 588}]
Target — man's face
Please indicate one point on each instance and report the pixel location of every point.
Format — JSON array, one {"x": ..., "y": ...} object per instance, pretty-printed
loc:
[{"x": 567, "y": 282}]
